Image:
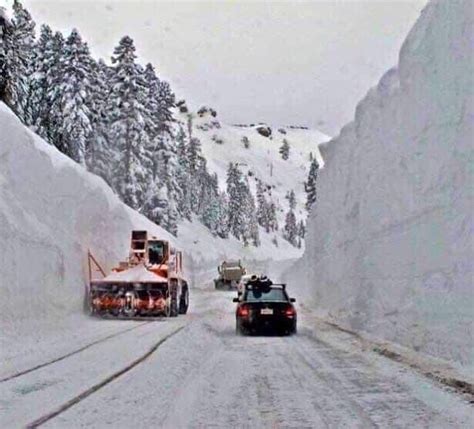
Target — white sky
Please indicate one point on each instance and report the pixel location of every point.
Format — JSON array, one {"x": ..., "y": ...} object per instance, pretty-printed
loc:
[{"x": 305, "y": 63}]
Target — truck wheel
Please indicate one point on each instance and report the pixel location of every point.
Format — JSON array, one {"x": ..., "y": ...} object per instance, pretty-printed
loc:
[
  {"x": 184, "y": 301},
  {"x": 174, "y": 307}
]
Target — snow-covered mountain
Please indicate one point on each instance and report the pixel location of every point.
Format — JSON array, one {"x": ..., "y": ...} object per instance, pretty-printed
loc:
[
  {"x": 390, "y": 245},
  {"x": 257, "y": 154}
]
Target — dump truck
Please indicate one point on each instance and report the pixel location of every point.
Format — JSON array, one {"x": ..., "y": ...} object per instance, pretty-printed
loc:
[
  {"x": 230, "y": 273},
  {"x": 150, "y": 282}
]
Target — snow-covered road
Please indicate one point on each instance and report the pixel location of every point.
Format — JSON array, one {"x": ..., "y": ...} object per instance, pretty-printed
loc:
[{"x": 205, "y": 376}]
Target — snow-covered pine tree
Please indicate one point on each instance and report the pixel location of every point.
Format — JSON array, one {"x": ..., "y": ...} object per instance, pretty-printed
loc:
[
  {"x": 74, "y": 92},
  {"x": 156, "y": 205},
  {"x": 285, "y": 149},
  {"x": 128, "y": 125},
  {"x": 236, "y": 218},
  {"x": 301, "y": 229},
  {"x": 183, "y": 175},
  {"x": 194, "y": 154},
  {"x": 51, "y": 113},
  {"x": 291, "y": 197},
  {"x": 222, "y": 228},
  {"x": 5, "y": 31},
  {"x": 19, "y": 61},
  {"x": 266, "y": 213},
  {"x": 166, "y": 103},
  {"x": 210, "y": 202},
  {"x": 272, "y": 217},
  {"x": 250, "y": 233},
  {"x": 172, "y": 219},
  {"x": 262, "y": 206},
  {"x": 310, "y": 185},
  {"x": 291, "y": 229},
  {"x": 42, "y": 63},
  {"x": 98, "y": 154}
]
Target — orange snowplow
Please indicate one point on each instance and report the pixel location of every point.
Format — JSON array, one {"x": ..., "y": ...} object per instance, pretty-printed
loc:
[{"x": 149, "y": 283}]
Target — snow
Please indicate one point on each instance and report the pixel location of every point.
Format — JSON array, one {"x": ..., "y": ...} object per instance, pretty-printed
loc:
[
  {"x": 51, "y": 213},
  {"x": 206, "y": 376},
  {"x": 262, "y": 159},
  {"x": 135, "y": 274},
  {"x": 390, "y": 248}
]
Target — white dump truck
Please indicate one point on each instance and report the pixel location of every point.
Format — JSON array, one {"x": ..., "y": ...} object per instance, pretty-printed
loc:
[{"x": 230, "y": 273}]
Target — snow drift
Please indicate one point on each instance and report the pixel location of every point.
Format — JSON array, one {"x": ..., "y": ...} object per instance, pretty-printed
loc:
[{"x": 390, "y": 246}]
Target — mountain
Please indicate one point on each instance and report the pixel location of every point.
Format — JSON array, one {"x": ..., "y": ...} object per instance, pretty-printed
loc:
[
  {"x": 259, "y": 158},
  {"x": 389, "y": 248}
]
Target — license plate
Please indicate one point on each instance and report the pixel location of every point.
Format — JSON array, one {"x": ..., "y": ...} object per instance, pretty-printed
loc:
[{"x": 266, "y": 311}]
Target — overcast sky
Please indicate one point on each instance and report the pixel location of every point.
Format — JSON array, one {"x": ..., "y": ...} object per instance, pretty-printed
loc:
[{"x": 305, "y": 63}]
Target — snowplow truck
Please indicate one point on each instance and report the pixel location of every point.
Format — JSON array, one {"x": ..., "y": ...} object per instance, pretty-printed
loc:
[
  {"x": 149, "y": 283},
  {"x": 230, "y": 273}
]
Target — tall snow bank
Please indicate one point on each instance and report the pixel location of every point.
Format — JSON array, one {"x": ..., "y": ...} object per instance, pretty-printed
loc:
[
  {"x": 390, "y": 247},
  {"x": 51, "y": 212}
]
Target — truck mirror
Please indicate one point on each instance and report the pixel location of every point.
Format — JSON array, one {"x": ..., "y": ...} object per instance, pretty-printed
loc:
[
  {"x": 292, "y": 300},
  {"x": 235, "y": 300}
]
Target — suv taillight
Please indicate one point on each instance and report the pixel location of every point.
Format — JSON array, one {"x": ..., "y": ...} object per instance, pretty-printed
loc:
[{"x": 290, "y": 312}]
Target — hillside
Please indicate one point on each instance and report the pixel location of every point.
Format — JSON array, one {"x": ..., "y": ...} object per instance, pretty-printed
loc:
[
  {"x": 389, "y": 250},
  {"x": 261, "y": 160}
]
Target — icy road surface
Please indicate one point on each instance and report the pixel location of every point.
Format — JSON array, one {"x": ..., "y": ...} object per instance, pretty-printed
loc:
[{"x": 203, "y": 375}]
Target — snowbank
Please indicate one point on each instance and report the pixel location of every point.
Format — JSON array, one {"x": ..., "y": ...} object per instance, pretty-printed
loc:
[
  {"x": 51, "y": 212},
  {"x": 390, "y": 246}
]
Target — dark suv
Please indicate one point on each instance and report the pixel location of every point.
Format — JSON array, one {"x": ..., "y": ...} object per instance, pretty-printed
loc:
[{"x": 266, "y": 308}]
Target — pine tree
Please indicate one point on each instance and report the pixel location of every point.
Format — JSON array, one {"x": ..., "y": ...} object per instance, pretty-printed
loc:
[
  {"x": 222, "y": 227},
  {"x": 99, "y": 155},
  {"x": 262, "y": 206},
  {"x": 285, "y": 150},
  {"x": 166, "y": 103},
  {"x": 156, "y": 205},
  {"x": 236, "y": 219},
  {"x": 301, "y": 229},
  {"x": 172, "y": 219},
  {"x": 19, "y": 61},
  {"x": 272, "y": 217},
  {"x": 291, "y": 230},
  {"x": 183, "y": 175},
  {"x": 291, "y": 197},
  {"x": 310, "y": 185},
  {"x": 250, "y": 231},
  {"x": 51, "y": 114},
  {"x": 127, "y": 130},
  {"x": 194, "y": 154},
  {"x": 74, "y": 94},
  {"x": 5, "y": 35},
  {"x": 43, "y": 56}
]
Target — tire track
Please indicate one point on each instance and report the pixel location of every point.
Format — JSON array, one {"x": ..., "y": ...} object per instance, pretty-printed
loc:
[
  {"x": 64, "y": 407},
  {"x": 67, "y": 355}
]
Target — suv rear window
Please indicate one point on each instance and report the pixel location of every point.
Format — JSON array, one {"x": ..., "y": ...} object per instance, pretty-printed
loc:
[{"x": 259, "y": 295}]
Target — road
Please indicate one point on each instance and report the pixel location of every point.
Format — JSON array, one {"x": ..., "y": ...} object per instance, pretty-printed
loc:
[{"x": 195, "y": 372}]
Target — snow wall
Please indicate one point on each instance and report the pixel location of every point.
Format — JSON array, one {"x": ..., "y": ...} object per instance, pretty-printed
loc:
[
  {"x": 51, "y": 212},
  {"x": 390, "y": 248}
]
